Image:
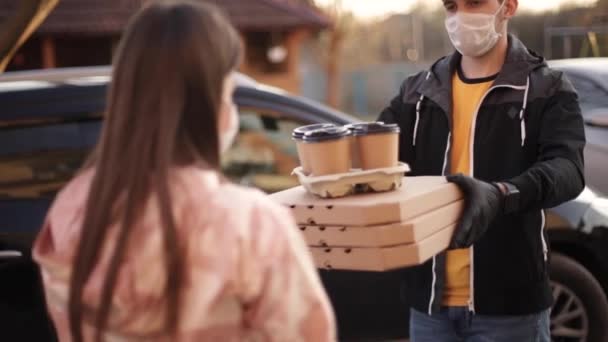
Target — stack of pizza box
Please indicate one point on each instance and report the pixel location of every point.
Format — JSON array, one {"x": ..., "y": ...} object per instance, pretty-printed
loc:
[{"x": 378, "y": 231}]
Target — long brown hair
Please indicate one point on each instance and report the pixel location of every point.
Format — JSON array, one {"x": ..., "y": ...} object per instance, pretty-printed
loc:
[{"x": 163, "y": 107}]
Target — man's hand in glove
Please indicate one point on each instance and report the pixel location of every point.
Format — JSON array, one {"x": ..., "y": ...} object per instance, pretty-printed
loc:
[{"x": 483, "y": 202}]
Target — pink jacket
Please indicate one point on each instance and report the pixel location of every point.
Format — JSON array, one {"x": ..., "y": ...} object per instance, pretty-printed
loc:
[{"x": 249, "y": 275}]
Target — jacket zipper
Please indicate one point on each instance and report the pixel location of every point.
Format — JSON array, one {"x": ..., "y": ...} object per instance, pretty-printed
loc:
[
  {"x": 443, "y": 172},
  {"x": 434, "y": 283},
  {"x": 472, "y": 174},
  {"x": 542, "y": 235}
]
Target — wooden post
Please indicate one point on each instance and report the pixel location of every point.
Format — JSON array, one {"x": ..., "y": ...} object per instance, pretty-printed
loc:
[
  {"x": 548, "y": 46},
  {"x": 293, "y": 43},
  {"x": 244, "y": 67},
  {"x": 115, "y": 41},
  {"x": 49, "y": 57},
  {"x": 333, "y": 67},
  {"x": 567, "y": 47}
]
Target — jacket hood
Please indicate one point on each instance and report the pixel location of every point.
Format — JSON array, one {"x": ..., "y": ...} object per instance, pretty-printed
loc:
[{"x": 519, "y": 63}]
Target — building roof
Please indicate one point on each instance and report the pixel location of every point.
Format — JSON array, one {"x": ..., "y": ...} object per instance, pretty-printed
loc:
[
  {"x": 110, "y": 16},
  {"x": 275, "y": 14}
]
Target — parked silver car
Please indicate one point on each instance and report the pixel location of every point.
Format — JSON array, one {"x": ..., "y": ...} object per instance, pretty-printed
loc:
[{"x": 590, "y": 78}]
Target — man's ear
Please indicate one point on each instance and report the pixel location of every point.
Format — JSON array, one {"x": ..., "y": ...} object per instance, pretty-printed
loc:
[{"x": 511, "y": 8}]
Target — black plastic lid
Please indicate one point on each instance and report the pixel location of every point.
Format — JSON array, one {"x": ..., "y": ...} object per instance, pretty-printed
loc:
[
  {"x": 299, "y": 132},
  {"x": 365, "y": 128},
  {"x": 326, "y": 134}
]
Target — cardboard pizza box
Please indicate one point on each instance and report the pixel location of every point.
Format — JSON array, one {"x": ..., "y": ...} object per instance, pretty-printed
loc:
[
  {"x": 411, "y": 231},
  {"x": 417, "y": 196},
  {"x": 385, "y": 258}
]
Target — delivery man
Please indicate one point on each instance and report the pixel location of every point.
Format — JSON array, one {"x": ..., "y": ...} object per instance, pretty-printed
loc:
[{"x": 508, "y": 131}]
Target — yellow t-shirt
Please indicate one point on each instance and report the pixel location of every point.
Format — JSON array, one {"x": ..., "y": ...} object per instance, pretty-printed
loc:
[{"x": 466, "y": 96}]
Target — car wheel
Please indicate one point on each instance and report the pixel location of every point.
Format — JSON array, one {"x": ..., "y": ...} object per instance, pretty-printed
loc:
[{"x": 580, "y": 312}]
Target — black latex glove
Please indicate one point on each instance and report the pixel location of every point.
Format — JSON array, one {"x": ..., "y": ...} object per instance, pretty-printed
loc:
[{"x": 483, "y": 202}]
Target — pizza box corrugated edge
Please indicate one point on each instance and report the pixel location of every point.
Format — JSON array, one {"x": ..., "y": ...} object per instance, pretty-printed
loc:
[
  {"x": 382, "y": 259},
  {"x": 412, "y": 231},
  {"x": 402, "y": 205}
]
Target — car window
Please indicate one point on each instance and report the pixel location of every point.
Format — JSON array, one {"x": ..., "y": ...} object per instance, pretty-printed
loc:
[
  {"x": 263, "y": 155},
  {"x": 591, "y": 95},
  {"x": 37, "y": 160}
]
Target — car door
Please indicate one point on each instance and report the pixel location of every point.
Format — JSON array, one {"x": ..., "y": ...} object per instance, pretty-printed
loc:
[
  {"x": 593, "y": 99},
  {"x": 596, "y": 153},
  {"x": 37, "y": 157}
]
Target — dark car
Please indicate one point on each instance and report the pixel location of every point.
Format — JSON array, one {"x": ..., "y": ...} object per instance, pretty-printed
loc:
[{"x": 50, "y": 120}]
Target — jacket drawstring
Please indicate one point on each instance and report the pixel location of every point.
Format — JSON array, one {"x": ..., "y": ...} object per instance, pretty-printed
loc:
[
  {"x": 521, "y": 113},
  {"x": 418, "y": 105}
]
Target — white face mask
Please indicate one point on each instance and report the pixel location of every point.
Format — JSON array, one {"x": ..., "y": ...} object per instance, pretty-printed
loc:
[
  {"x": 228, "y": 136},
  {"x": 228, "y": 116},
  {"x": 473, "y": 34}
]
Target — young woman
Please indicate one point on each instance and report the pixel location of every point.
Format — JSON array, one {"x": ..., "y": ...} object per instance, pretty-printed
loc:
[{"x": 149, "y": 242}]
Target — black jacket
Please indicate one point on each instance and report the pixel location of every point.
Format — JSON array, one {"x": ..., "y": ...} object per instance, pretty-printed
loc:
[{"x": 529, "y": 132}]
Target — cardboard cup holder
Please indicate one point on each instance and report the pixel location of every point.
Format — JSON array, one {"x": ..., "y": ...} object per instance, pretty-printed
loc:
[
  {"x": 337, "y": 161},
  {"x": 354, "y": 182}
]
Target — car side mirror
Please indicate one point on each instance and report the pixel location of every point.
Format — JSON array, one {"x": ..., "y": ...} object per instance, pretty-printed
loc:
[
  {"x": 270, "y": 123},
  {"x": 598, "y": 120}
]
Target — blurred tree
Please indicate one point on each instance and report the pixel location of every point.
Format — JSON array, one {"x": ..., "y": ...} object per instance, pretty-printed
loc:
[
  {"x": 333, "y": 42},
  {"x": 370, "y": 56},
  {"x": 333, "y": 61},
  {"x": 28, "y": 15}
]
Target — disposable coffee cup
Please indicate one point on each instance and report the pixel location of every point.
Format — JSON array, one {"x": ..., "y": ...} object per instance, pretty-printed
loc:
[
  {"x": 298, "y": 136},
  {"x": 354, "y": 144},
  {"x": 377, "y": 143},
  {"x": 328, "y": 150}
]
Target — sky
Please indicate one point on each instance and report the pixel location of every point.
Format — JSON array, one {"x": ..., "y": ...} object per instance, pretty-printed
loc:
[{"x": 369, "y": 9}]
